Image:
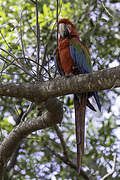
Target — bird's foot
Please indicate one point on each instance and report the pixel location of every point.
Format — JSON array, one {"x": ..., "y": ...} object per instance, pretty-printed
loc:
[{"x": 75, "y": 68}]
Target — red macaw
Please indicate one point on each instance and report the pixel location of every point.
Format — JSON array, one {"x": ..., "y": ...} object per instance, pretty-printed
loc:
[{"x": 71, "y": 58}]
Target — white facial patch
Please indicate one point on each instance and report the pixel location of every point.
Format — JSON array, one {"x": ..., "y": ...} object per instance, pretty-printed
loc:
[{"x": 61, "y": 29}]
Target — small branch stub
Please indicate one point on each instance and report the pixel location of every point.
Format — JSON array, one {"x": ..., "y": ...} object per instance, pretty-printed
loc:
[{"x": 112, "y": 170}]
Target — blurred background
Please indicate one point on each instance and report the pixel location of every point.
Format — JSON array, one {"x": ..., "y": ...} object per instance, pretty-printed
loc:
[{"x": 38, "y": 155}]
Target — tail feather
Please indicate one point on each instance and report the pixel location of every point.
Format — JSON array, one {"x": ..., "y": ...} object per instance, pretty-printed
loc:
[
  {"x": 80, "y": 108},
  {"x": 90, "y": 105},
  {"x": 97, "y": 100}
]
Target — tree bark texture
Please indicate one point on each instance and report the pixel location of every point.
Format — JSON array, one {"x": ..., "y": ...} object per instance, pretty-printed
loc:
[
  {"x": 46, "y": 91},
  {"x": 53, "y": 116},
  {"x": 38, "y": 92}
]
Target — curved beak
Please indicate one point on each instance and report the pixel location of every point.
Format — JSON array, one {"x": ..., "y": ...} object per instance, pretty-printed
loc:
[{"x": 64, "y": 32}]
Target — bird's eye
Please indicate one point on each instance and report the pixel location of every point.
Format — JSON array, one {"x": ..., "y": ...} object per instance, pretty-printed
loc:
[
  {"x": 66, "y": 32},
  {"x": 69, "y": 27}
]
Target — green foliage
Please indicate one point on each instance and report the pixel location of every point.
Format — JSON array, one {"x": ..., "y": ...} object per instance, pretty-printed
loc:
[
  {"x": 99, "y": 29},
  {"x": 6, "y": 125}
]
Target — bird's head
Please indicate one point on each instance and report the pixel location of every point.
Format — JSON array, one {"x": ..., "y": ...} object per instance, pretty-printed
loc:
[{"x": 67, "y": 29}]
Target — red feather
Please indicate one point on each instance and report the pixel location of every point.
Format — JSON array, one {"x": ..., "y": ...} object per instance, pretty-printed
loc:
[
  {"x": 66, "y": 64},
  {"x": 65, "y": 56}
]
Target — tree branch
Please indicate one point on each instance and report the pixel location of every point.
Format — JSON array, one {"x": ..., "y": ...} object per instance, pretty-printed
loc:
[
  {"x": 50, "y": 118},
  {"x": 38, "y": 92},
  {"x": 112, "y": 170},
  {"x": 13, "y": 158},
  {"x": 69, "y": 163},
  {"x": 63, "y": 144}
]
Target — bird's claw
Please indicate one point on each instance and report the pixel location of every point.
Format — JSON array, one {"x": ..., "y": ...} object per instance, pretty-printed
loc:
[{"x": 75, "y": 68}]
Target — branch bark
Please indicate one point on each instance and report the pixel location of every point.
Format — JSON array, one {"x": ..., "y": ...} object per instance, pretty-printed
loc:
[
  {"x": 38, "y": 92},
  {"x": 53, "y": 116},
  {"x": 69, "y": 163}
]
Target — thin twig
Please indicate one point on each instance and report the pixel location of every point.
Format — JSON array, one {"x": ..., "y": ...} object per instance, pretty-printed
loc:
[
  {"x": 36, "y": 64},
  {"x": 5, "y": 67},
  {"x": 57, "y": 20},
  {"x": 62, "y": 158},
  {"x": 16, "y": 59},
  {"x": 31, "y": 28},
  {"x": 5, "y": 40},
  {"x": 8, "y": 53},
  {"x": 38, "y": 38},
  {"x": 27, "y": 112},
  {"x": 33, "y": 138},
  {"x": 60, "y": 136},
  {"x": 69, "y": 163},
  {"x": 45, "y": 49},
  {"x": 106, "y": 9},
  {"x": 21, "y": 36},
  {"x": 45, "y": 52},
  {"x": 112, "y": 170},
  {"x": 2, "y": 69},
  {"x": 6, "y": 61}
]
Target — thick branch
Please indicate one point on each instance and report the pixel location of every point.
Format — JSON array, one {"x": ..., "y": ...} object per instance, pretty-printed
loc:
[
  {"x": 37, "y": 92},
  {"x": 49, "y": 118}
]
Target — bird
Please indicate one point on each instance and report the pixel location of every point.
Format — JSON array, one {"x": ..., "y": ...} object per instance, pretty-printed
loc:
[{"x": 72, "y": 58}]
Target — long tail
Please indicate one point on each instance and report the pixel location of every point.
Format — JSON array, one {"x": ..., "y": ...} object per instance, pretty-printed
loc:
[
  {"x": 97, "y": 100},
  {"x": 80, "y": 108}
]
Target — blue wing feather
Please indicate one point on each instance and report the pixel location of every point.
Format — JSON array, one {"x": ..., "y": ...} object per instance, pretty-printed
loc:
[
  {"x": 57, "y": 65},
  {"x": 82, "y": 60},
  {"x": 79, "y": 59}
]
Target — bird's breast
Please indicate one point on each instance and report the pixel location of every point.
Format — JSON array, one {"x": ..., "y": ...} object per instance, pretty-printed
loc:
[{"x": 65, "y": 56}]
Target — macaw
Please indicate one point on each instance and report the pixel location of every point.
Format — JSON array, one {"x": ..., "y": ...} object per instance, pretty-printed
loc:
[{"x": 71, "y": 58}]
